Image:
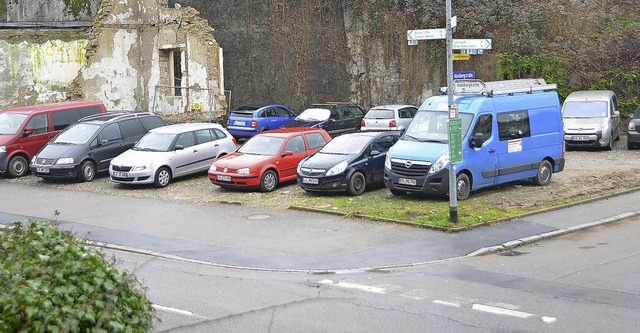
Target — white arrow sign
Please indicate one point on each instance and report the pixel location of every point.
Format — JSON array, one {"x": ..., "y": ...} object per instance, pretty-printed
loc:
[
  {"x": 426, "y": 34},
  {"x": 461, "y": 44}
]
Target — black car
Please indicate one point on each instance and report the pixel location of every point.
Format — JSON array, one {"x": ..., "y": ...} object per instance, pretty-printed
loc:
[
  {"x": 88, "y": 146},
  {"x": 633, "y": 133},
  {"x": 335, "y": 118},
  {"x": 349, "y": 162}
]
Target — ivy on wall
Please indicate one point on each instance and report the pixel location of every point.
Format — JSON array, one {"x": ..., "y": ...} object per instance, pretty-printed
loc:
[{"x": 552, "y": 67}]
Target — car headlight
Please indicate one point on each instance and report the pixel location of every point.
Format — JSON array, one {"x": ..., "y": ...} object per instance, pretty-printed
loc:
[
  {"x": 440, "y": 164},
  {"x": 3, "y": 149},
  {"x": 65, "y": 160},
  {"x": 338, "y": 169},
  {"x": 244, "y": 171},
  {"x": 212, "y": 168},
  {"x": 387, "y": 162},
  {"x": 139, "y": 168}
]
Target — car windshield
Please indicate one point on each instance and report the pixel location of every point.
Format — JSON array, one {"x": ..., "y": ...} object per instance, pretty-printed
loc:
[
  {"x": 593, "y": 109},
  {"x": 346, "y": 145},
  {"x": 155, "y": 142},
  {"x": 76, "y": 134},
  {"x": 262, "y": 145},
  {"x": 379, "y": 114},
  {"x": 314, "y": 114},
  {"x": 432, "y": 126},
  {"x": 10, "y": 122}
]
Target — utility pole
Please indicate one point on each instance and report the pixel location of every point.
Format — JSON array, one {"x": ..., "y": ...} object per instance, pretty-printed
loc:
[{"x": 453, "y": 114}]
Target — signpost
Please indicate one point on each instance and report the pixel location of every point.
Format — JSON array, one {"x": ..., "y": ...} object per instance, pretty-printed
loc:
[
  {"x": 455, "y": 140},
  {"x": 464, "y": 75},
  {"x": 426, "y": 34},
  {"x": 460, "y": 56},
  {"x": 461, "y": 44}
]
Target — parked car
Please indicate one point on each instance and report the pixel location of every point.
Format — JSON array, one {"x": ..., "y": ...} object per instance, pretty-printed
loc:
[
  {"x": 171, "y": 151},
  {"x": 349, "y": 162},
  {"x": 88, "y": 146},
  {"x": 388, "y": 117},
  {"x": 633, "y": 133},
  {"x": 335, "y": 118},
  {"x": 250, "y": 119},
  {"x": 25, "y": 130},
  {"x": 267, "y": 159},
  {"x": 591, "y": 119}
]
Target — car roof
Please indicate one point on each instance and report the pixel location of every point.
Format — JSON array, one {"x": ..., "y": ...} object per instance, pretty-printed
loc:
[
  {"x": 590, "y": 95},
  {"x": 287, "y": 132},
  {"x": 392, "y": 107},
  {"x": 185, "y": 127},
  {"x": 372, "y": 133},
  {"x": 254, "y": 106},
  {"x": 50, "y": 106},
  {"x": 332, "y": 104}
]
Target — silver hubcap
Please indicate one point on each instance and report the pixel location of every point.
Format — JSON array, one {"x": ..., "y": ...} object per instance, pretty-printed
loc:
[
  {"x": 163, "y": 178},
  {"x": 545, "y": 173},
  {"x": 88, "y": 172},
  {"x": 269, "y": 181},
  {"x": 462, "y": 187},
  {"x": 18, "y": 167}
]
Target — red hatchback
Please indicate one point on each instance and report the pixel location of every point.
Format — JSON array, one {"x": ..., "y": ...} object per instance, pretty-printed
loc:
[{"x": 267, "y": 159}]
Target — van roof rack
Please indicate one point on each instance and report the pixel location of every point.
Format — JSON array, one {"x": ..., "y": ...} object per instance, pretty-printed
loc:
[{"x": 490, "y": 88}]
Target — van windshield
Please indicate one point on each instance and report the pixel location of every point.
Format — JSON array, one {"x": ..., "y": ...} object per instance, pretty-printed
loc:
[
  {"x": 432, "y": 126},
  {"x": 10, "y": 122},
  {"x": 587, "y": 109},
  {"x": 76, "y": 134}
]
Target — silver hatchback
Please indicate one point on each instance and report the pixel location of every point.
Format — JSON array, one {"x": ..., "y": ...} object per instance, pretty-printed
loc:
[
  {"x": 388, "y": 117},
  {"x": 171, "y": 151}
]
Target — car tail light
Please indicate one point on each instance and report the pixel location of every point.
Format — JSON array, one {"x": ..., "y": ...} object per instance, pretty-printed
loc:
[
  {"x": 254, "y": 124},
  {"x": 393, "y": 123},
  {"x": 228, "y": 122},
  {"x": 632, "y": 126},
  {"x": 235, "y": 142},
  {"x": 362, "y": 124}
]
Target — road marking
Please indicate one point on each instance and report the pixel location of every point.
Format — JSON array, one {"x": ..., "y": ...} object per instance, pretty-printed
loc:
[
  {"x": 437, "y": 301},
  {"x": 349, "y": 285},
  {"x": 548, "y": 320},
  {"x": 501, "y": 311},
  {"x": 177, "y": 311}
]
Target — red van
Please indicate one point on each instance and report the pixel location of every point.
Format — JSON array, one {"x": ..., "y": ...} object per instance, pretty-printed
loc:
[{"x": 26, "y": 129}]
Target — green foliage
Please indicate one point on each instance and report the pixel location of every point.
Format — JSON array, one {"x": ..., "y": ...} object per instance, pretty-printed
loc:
[
  {"x": 625, "y": 84},
  {"x": 51, "y": 282},
  {"x": 77, "y": 6}
]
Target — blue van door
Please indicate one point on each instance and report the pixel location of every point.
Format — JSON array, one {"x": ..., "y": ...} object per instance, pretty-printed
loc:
[
  {"x": 514, "y": 160},
  {"x": 482, "y": 161}
]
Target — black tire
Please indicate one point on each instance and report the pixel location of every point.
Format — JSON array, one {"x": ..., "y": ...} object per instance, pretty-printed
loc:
[
  {"x": 269, "y": 181},
  {"x": 357, "y": 184},
  {"x": 262, "y": 129},
  {"x": 162, "y": 177},
  {"x": 87, "y": 171},
  {"x": 463, "y": 186},
  {"x": 18, "y": 167},
  {"x": 545, "y": 170}
]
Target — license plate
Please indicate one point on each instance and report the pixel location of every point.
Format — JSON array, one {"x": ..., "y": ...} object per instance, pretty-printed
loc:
[
  {"x": 223, "y": 178},
  {"x": 580, "y": 138},
  {"x": 239, "y": 123},
  {"x": 120, "y": 174},
  {"x": 310, "y": 180},
  {"x": 42, "y": 170},
  {"x": 407, "y": 181}
]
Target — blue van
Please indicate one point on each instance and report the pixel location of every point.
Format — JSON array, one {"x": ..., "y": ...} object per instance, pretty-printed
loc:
[{"x": 511, "y": 130}]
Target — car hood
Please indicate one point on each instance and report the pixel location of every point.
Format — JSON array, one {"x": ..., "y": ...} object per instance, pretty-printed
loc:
[
  {"x": 303, "y": 123},
  {"x": 137, "y": 157},
  {"x": 419, "y": 151},
  {"x": 585, "y": 123},
  {"x": 4, "y": 139},
  {"x": 58, "y": 151},
  {"x": 325, "y": 161},
  {"x": 240, "y": 160}
]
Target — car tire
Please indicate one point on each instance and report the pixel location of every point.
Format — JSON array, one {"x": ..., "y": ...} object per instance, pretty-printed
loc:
[
  {"x": 357, "y": 184},
  {"x": 610, "y": 144},
  {"x": 543, "y": 177},
  {"x": 269, "y": 181},
  {"x": 18, "y": 167},
  {"x": 463, "y": 186},
  {"x": 87, "y": 171},
  {"x": 263, "y": 128},
  {"x": 162, "y": 178}
]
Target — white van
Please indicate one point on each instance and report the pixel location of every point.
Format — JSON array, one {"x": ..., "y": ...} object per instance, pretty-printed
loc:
[{"x": 591, "y": 119}]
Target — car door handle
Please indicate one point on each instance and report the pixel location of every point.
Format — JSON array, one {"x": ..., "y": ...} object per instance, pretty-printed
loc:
[
  {"x": 216, "y": 145},
  {"x": 195, "y": 150},
  {"x": 492, "y": 150}
]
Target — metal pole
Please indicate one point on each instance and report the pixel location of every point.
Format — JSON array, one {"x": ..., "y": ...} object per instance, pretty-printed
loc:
[{"x": 453, "y": 197}]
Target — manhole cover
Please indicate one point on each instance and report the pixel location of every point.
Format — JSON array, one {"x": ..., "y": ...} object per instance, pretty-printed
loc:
[{"x": 258, "y": 217}]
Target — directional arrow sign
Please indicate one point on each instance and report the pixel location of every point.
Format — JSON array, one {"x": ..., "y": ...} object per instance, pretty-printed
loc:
[
  {"x": 460, "y": 44},
  {"x": 426, "y": 34}
]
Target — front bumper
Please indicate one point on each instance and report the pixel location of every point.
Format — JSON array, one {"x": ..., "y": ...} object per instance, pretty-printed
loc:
[
  {"x": 4, "y": 161},
  {"x": 236, "y": 180},
  {"x": 132, "y": 177},
  {"x": 435, "y": 183},
  {"x": 324, "y": 184},
  {"x": 581, "y": 139},
  {"x": 68, "y": 171}
]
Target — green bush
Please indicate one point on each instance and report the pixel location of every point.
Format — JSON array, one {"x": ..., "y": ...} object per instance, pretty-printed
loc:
[{"x": 51, "y": 282}]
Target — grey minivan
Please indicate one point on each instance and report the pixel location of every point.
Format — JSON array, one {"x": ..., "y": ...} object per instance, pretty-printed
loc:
[{"x": 591, "y": 119}]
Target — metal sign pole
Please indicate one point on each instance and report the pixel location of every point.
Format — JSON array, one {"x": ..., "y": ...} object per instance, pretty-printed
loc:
[{"x": 453, "y": 113}]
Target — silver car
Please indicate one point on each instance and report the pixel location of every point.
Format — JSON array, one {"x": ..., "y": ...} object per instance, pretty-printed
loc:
[
  {"x": 591, "y": 119},
  {"x": 171, "y": 151},
  {"x": 388, "y": 117}
]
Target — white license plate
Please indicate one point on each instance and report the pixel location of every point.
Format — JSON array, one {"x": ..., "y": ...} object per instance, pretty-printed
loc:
[
  {"x": 120, "y": 174},
  {"x": 223, "y": 178},
  {"x": 310, "y": 180},
  {"x": 580, "y": 138},
  {"x": 239, "y": 123},
  {"x": 42, "y": 170},
  {"x": 407, "y": 181}
]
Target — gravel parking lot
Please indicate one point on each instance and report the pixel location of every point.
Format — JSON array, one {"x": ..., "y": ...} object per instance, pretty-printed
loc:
[{"x": 587, "y": 173}]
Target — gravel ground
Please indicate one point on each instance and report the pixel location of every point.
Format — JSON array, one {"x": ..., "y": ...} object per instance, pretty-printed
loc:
[{"x": 587, "y": 173}]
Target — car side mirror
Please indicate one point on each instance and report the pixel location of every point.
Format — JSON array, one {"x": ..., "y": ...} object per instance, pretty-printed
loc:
[
  {"x": 178, "y": 147},
  {"x": 374, "y": 153},
  {"x": 28, "y": 131},
  {"x": 287, "y": 153},
  {"x": 104, "y": 142},
  {"x": 476, "y": 140}
]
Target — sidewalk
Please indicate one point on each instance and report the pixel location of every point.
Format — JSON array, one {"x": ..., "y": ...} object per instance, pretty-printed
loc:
[{"x": 237, "y": 236}]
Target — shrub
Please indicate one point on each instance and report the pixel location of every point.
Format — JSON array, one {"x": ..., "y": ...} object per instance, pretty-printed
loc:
[{"x": 51, "y": 282}]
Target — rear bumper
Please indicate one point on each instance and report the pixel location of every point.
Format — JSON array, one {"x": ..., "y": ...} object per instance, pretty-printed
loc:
[
  {"x": 242, "y": 132},
  {"x": 586, "y": 139}
]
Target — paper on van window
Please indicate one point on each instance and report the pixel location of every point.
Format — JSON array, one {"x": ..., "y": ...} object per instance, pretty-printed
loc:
[{"x": 514, "y": 146}]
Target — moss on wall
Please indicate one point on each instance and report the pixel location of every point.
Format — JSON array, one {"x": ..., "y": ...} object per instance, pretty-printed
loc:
[{"x": 77, "y": 6}]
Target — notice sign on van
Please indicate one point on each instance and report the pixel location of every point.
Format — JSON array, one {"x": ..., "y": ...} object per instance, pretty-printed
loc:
[{"x": 514, "y": 146}]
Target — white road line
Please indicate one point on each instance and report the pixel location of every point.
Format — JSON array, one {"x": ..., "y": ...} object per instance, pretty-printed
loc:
[
  {"x": 549, "y": 320},
  {"x": 501, "y": 311},
  {"x": 437, "y": 301},
  {"x": 177, "y": 311},
  {"x": 349, "y": 285}
]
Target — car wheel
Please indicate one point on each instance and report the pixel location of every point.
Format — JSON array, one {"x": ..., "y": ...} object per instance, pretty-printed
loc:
[
  {"x": 269, "y": 181},
  {"x": 463, "y": 186},
  {"x": 163, "y": 178},
  {"x": 18, "y": 166},
  {"x": 544, "y": 173},
  {"x": 262, "y": 129},
  {"x": 357, "y": 183},
  {"x": 87, "y": 171}
]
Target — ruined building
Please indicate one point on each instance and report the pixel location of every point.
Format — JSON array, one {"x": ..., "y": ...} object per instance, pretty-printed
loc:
[{"x": 131, "y": 55}]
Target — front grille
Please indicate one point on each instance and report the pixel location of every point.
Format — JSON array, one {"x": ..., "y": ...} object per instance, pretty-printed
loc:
[
  {"x": 45, "y": 161},
  {"x": 410, "y": 168},
  {"x": 121, "y": 168},
  {"x": 311, "y": 172}
]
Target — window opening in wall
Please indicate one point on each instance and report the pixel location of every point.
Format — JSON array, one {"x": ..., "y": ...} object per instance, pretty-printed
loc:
[{"x": 176, "y": 71}]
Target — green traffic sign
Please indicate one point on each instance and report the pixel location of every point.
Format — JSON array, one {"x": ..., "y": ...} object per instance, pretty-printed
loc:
[{"x": 455, "y": 140}]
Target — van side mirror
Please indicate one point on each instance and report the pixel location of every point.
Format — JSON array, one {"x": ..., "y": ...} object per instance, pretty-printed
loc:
[
  {"x": 104, "y": 142},
  {"x": 616, "y": 113},
  {"x": 28, "y": 131},
  {"x": 476, "y": 140},
  {"x": 374, "y": 153}
]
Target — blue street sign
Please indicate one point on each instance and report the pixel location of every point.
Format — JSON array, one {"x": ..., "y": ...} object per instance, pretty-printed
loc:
[{"x": 464, "y": 75}]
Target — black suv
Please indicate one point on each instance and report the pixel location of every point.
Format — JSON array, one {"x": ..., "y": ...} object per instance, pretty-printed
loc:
[
  {"x": 87, "y": 147},
  {"x": 335, "y": 118}
]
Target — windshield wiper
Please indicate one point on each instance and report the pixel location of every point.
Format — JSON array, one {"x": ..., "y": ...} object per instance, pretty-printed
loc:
[
  {"x": 413, "y": 137},
  {"x": 63, "y": 143},
  {"x": 144, "y": 149}
]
